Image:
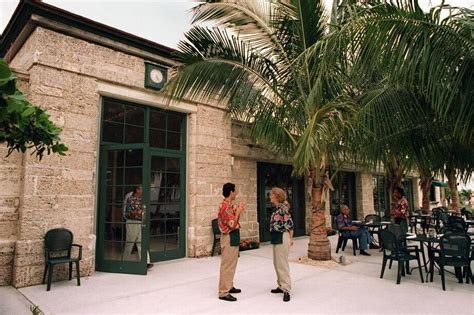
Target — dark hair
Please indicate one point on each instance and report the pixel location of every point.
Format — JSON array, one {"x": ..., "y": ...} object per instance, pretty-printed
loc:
[
  {"x": 400, "y": 190},
  {"x": 136, "y": 189},
  {"x": 227, "y": 189}
]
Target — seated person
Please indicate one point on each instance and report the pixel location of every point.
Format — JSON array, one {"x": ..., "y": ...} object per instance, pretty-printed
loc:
[{"x": 344, "y": 224}]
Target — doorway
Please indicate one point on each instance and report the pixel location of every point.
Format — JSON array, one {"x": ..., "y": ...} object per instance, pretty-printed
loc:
[{"x": 140, "y": 146}]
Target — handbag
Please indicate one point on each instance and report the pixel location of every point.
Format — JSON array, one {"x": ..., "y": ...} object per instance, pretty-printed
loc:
[
  {"x": 276, "y": 238},
  {"x": 235, "y": 237}
]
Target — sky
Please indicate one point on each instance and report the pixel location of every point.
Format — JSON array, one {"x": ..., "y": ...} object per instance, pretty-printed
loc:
[{"x": 162, "y": 21}]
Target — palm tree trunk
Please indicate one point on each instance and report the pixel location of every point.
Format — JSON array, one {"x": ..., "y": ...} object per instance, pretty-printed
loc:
[
  {"x": 319, "y": 247},
  {"x": 452, "y": 183},
  {"x": 425, "y": 185}
]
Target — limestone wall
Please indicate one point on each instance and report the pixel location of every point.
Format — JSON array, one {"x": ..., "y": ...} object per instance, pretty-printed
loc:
[
  {"x": 364, "y": 194},
  {"x": 11, "y": 186}
]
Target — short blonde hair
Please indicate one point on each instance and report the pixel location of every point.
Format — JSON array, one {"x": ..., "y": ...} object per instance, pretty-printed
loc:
[{"x": 279, "y": 194}]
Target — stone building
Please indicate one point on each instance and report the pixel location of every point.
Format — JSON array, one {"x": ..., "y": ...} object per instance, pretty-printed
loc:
[{"x": 99, "y": 85}]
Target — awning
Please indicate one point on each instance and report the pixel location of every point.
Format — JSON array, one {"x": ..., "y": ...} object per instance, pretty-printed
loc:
[{"x": 439, "y": 183}]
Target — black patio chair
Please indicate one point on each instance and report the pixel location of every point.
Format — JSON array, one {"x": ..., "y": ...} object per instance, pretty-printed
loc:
[
  {"x": 217, "y": 235},
  {"x": 342, "y": 239},
  {"x": 58, "y": 245},
  {"x": 454, "y": 251},
  {"x": 466, "y": 213},
  {"x": 374, "y": 218},
  {"x": 394, "y": 250},
  {"x": 457, "y": 223},
  {"x": 401, "y": 237}
]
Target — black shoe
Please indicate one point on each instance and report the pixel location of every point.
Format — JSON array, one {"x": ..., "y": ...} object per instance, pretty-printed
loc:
[
  {"x": 149, "y": 266},
  {"x": 277, "y": 290},
  {"x": 286, "y": 297},
  {"x": 234, "y": 290},
  {"x": 228, "y": 297},
  {"x": 364, "y": 253},
  {"x": 374, "y": 246}
]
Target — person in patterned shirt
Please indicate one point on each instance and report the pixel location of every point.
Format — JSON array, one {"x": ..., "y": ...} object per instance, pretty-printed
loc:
[
  {"x": 133, "y": 214},
  {"x": 400, "y": 211},
  {"x": 228, "y": 220},
  {"x": 281, "y": 230}
]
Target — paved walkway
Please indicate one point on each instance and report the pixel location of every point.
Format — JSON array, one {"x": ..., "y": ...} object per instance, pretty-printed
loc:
[{"x": 190, "y": 286}]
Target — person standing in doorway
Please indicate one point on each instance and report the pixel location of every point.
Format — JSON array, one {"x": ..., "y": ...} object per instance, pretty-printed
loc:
[
  {"x": 281, "y": 230},
  {"x": 134, "y": 214},
  {"x": 228, "y": 220}
]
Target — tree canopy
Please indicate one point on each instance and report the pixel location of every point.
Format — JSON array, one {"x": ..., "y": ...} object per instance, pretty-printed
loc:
[{"x": 22, "y": 125}]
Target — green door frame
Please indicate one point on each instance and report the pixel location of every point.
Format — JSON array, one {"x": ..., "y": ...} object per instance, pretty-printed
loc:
[
  {"x": 181, "y": 251},
  {"x": 130, "y": 267}
]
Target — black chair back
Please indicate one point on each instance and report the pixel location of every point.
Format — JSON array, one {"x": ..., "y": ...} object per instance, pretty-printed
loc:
[
  {"x": 397, "y": 230},
  {"x": 456, "y": 244},
  {"x": 389, "y": 240},
  {"x": 57, "y": 241},
  {"x": 457, "y": 223},
  {"x": 375, "y": 218},
  {"x": 215, "y": 227}
]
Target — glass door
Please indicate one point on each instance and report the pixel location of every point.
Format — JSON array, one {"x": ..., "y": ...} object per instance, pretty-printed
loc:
[
  {"x": 122, "y": 240},
  {"x": 167, "y": 207}
]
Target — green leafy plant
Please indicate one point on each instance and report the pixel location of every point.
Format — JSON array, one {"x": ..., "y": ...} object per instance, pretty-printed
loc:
[{"x": 22, "y": 125}]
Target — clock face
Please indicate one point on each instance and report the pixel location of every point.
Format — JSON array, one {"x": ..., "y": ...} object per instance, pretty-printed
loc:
[{"x": 156, "y": 76}]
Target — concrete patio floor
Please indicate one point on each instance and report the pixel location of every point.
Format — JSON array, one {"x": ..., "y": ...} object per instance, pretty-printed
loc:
[{"x": 190, "y": 286}]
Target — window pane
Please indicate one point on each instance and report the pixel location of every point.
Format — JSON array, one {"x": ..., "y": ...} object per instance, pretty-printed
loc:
[
  {"x": 114, "y": 176},
  {"x": 115, "y": 158},
  {"x": 172, "y": 180},
  {"x": 157, "y": 138},
  {"x": 134, "y": 115},
  {"x": 113, "y": 132},
  {"x": 113, "y": 112},
  {"x": 158, "y": 163},
  {"x": 157, "y": 244},
  {"x": 113, "y": 250},
  {"x": 157, "y": 227},
  {"x": 174, "y": 123},
  {"x": 133, "y": 158},
  {"x": 172, "y": 165},
  {"x": 173, "y": 141},
  {"x": 133, "y": 134},
  {"x": 172, "y": 241},
  {"x": 114, "y": 232},
  {"x": 114, "y": 213},
  {"x": 133, "y": 176},
  {"x": 157, "y": 119},
  {"x": 115, "y": 194}
]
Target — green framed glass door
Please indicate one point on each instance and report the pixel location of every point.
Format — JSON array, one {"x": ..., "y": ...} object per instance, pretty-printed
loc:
[
  {"x": 279, "y": 175},
  {"x": 122, "y": 243},
  {"x": 167, "y": 206},
  {"x": 140, "y": 146}
]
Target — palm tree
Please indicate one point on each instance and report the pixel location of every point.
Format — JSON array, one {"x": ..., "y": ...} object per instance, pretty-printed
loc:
[
  {"x": 413, "y": 72},
  {"x": 255, "y": 59}
]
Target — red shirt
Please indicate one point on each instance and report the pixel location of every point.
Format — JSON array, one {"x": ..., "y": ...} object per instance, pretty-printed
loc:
[
  {"x": 227, "y": 218},
  {"x": 401, "y": 209}
]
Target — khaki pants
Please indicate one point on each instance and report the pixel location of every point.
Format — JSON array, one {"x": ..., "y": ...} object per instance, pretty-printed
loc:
[
  {"x": 229, "y": 256},
  {"x": 280, "y": 262},
  {"x": 134, "y": 236}
]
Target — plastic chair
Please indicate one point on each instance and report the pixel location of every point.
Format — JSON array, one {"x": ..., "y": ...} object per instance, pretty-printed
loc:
[
  {"x": 217, "y": 235},
  {"x": 342, "y": 239},
  {"x": 394, "y": 250},
  {"x": 58, "y": 245},
  {"x": 457, "y": 223},
  {"x": 374, "y": 218},
  {"x": 455, "y": 249}
]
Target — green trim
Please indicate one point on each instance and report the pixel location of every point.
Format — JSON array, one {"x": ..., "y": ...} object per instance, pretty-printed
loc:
[{"x": 438, "y": 183}]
